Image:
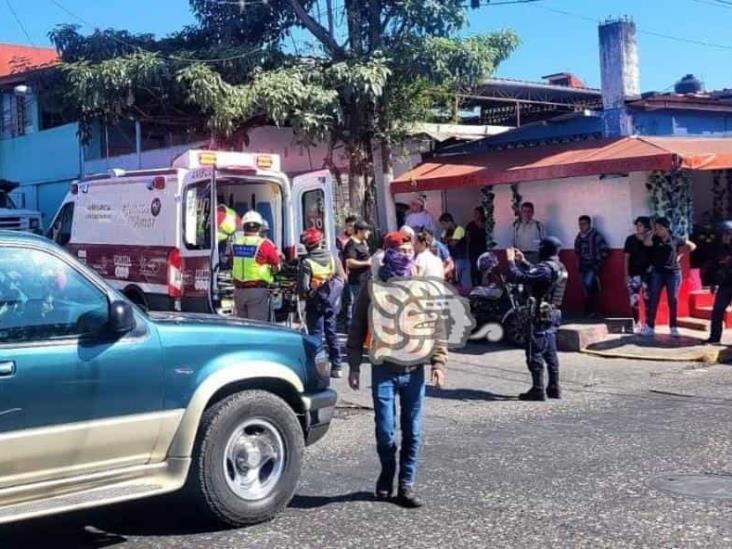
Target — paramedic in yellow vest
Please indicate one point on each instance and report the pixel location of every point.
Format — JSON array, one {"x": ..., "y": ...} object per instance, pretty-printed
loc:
[
  {"x": 320, "y": 283},
  {"x": 255, "y": 262},
  {"x": 226, "y": 224}
]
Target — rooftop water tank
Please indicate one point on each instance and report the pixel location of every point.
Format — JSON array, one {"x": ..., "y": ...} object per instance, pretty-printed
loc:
[{"x": 689, "y": 84}]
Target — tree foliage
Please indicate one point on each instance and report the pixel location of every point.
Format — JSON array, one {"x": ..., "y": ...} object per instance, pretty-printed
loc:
[{"x": 370, "y": 70}]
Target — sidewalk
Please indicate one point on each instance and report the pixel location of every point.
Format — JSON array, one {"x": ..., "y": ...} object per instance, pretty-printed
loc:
[{"x": 689, "y": 347}]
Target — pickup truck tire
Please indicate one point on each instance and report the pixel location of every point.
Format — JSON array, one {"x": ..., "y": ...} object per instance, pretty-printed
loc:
[{"x": 247, "y": 458}]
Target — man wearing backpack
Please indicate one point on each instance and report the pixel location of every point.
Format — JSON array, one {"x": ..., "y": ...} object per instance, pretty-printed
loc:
[{"x": 320, "y": 283}]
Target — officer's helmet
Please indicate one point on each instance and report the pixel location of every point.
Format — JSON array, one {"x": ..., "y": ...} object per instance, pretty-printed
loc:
[{"x": 549, "y": 247}]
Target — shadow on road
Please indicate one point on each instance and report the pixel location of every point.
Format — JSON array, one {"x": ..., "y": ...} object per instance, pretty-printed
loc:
[
  {"x": 466, "y": 394},
  {"x": 109, "y": 526},
  {"x": 314, "y": 502},
  {"x": 659, "y": 341}
]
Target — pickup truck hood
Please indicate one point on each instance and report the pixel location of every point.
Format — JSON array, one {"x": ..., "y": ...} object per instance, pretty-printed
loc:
[{"x": 168, "y": 317}]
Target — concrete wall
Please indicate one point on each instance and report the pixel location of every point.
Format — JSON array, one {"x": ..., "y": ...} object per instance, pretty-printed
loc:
[
  {"x": 43, "y": 163},
  {"x": 682, "y": 123}
]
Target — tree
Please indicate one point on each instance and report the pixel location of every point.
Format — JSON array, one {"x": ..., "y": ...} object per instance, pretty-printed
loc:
[{"x": 364, "y": 78}]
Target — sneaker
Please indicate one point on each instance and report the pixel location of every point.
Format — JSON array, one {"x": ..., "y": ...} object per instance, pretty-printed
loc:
[
  {"x": 533, "y": 394},
  {"x": 554, "y": 391},
  {"x": 647, "y": 331},
  {"x": 675, "y": 332},
  {"x": 638, "y": 329},
  {"x": 336, "y": 372},
  {"x": 408, "y": 498}
]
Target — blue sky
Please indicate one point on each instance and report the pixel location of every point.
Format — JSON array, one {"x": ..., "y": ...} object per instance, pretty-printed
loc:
[{"x": 552, "y": 41}]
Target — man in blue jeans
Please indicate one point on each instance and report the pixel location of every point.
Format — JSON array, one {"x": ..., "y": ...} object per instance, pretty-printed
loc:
[
  {"x": 389, "y": 380},
  {"x": 591, "y": 250},
  {"x": 666, "y": 253}
]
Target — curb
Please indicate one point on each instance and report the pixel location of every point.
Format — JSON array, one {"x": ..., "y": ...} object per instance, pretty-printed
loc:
[{"x": 706, "y": 357}]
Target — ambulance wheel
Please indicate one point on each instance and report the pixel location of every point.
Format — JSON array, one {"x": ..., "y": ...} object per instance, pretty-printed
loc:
[{"x": 137, "y": 297}]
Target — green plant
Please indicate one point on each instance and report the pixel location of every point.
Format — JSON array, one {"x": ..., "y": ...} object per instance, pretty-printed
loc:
[
  {"x": 670, "y": 197},
  {"x": 719, "y": 195},
  {"x": 487, "y": 200},
  {"x": 516, "y": 200}
]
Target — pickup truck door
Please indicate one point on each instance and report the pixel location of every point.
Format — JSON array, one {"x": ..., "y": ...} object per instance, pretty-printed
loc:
[
  {"x": 312, "y": 197},
  {"x": 73, "y": 399}
]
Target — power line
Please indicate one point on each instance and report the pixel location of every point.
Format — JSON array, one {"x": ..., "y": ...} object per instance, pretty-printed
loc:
[
  {"x": 642, "y": 31},
  {"x": 488, "y": 3},
  {"x": 20, "y": 23}
]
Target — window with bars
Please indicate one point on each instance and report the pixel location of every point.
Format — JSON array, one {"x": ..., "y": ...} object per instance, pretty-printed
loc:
[{"x": 20, "y": 120}]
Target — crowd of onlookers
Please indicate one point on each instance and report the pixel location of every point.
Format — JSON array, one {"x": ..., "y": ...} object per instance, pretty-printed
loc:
[{"x": 449, "y": 250}]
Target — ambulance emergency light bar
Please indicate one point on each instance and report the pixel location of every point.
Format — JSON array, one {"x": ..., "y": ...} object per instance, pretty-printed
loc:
[{"x": 226, "y": 159}]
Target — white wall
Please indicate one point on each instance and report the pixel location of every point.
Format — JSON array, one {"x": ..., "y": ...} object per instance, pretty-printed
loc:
[
  {"x": 296, "y": 158},
  {"x": 558, "y": 204}
]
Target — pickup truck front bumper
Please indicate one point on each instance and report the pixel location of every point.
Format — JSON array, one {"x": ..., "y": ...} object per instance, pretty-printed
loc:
[{"x": 319, "y": 408}]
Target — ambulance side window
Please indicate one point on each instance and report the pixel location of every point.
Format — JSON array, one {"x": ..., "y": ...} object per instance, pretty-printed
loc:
[
  {"x": 197, "y": 217},
  {"x": 313, "y": 209},
  {"x": 60, "y": 231}
]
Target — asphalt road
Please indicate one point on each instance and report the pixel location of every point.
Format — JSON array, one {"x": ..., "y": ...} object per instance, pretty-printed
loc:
[{"x": 495, "y": 472}]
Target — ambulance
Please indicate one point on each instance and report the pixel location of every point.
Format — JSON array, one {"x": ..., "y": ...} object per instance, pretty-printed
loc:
[{"x": 152, "y": 234}]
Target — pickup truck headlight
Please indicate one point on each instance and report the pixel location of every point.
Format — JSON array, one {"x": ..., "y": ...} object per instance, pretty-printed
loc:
[{"x": 322, "y": 364}]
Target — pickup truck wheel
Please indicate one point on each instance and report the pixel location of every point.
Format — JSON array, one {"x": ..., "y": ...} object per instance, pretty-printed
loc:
[{"x": 247, "y": 459}]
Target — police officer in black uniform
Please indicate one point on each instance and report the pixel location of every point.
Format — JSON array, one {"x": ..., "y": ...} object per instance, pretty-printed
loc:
[
  {"x": 546, "y": 282},
  {"x": 722, "y": 273}
]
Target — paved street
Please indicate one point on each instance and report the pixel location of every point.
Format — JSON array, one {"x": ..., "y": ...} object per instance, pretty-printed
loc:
[{"x": 495, "y": 472}]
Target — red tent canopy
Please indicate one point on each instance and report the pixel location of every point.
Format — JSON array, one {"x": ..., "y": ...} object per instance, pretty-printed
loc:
[{"x": 606, "y": 156}]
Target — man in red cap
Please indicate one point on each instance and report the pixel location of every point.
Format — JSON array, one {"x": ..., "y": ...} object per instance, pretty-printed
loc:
[
  {"x": 320, "y": 283},
  {"x": 390, "y": 380}
]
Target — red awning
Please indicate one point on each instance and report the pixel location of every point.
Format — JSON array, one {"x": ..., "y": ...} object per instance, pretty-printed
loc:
[{"x": 606, "y": 156}]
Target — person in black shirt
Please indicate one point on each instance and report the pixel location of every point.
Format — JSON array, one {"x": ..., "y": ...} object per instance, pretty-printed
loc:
[
  {"x": 358, "y": 262},
  {"x": 722, "y": 274},
  {"x": 666, "y": 252},
  {"x": 454, "y": 236},
  {"x": 477, "y": 245},
  {"x": 637, "y": 253}
]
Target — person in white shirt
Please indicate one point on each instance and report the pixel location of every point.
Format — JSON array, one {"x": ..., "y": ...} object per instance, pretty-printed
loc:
[
  {"x": 418, "y": 218},
  {"x": 430, "y": 265},
  {"x": 527, "y": 233}
]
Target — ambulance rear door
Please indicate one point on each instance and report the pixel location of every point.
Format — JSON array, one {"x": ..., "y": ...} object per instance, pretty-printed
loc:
[{"x": 313, "y": 204}]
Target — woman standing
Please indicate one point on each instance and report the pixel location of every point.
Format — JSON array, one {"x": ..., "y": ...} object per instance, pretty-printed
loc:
[{"x": 666, "y": 253}]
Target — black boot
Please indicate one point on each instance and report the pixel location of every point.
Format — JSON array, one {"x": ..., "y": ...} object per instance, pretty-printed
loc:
[
  {"x": 408, "y": 498},
  {"x": 384, "y": 485},
  {"x": 537, "y": 389},
  {"x": 553, "y": 390}
]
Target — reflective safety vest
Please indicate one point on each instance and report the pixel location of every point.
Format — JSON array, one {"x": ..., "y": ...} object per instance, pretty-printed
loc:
[
  {"x": 225, "y": 222},
  {"x": 321, "y": 274},
  {"x": 246, "y": 268}
]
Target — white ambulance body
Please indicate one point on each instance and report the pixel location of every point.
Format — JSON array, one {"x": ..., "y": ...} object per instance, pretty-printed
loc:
[{"x": 152, "y": 234}]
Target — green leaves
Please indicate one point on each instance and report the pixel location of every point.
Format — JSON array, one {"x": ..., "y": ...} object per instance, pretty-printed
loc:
[{"x": 233, "y": 70}]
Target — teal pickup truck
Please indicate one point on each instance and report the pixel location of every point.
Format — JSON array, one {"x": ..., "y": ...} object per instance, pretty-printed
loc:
[{"x": 101, "y": 402}]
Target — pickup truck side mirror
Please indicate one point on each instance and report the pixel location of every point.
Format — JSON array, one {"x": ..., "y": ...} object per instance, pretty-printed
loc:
[{"x": 121, "y": 318}]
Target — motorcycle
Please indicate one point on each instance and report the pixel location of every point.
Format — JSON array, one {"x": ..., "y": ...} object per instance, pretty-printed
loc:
[{"x": 499, "y": 307}]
